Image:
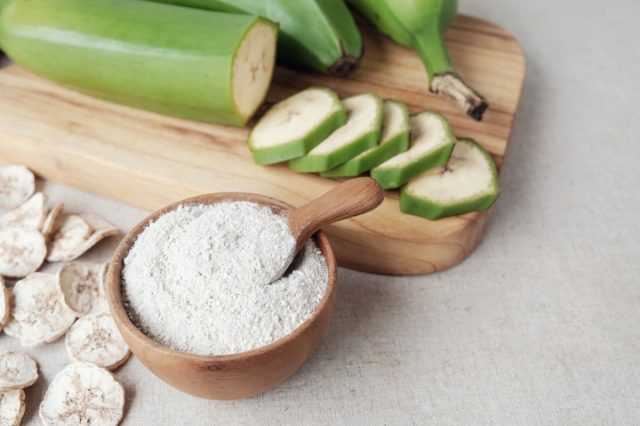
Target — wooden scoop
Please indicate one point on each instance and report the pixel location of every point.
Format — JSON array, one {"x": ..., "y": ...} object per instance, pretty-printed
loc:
[{"x": 350, "y": 198}]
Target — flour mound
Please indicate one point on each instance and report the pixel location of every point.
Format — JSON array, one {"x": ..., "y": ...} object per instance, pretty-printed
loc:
[{"x": 195, "y": 279}]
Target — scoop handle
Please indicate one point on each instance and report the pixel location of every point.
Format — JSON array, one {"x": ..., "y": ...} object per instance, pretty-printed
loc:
[{"x": 350, "y": 198}]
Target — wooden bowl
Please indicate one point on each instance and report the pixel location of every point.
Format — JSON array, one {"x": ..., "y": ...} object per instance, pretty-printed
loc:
[{"x": 234, "y": 376}]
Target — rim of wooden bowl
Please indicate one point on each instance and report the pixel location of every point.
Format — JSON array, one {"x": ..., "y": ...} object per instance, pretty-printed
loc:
[{"x": 114, "y": 280}]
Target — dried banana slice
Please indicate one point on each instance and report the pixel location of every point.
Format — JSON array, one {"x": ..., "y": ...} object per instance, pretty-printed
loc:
[
  {"x": 30, "y": 215},
  {"x": 80, "y": 284},
  {"x": 83, "y": 394},
  {"x": 102, "y": 304},
  {"x": 17, "y": 183},
  {"x": 17, "y": 371},
  {"x": 96, "y": 339},
  {"x": 39, "y": 313},
  {"x": 5, "y": 305},
  {"x": 76, "y": 235},
  {"x": 50, "y": 222},
  {"x": 11, "y": 407},
  {"x": 21, "y": 252}
]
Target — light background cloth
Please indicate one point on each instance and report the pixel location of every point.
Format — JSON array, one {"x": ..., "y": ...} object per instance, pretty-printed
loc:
[{"x": 540, "y": 326}]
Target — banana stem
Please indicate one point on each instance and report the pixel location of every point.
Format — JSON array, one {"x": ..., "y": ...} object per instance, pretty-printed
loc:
[
  {"x": 444, "y": 79},
  {"x": 450, "y": 85}
]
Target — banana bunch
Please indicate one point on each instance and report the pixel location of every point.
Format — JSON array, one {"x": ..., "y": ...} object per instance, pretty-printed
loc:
[{"x": 420, "y": 24}]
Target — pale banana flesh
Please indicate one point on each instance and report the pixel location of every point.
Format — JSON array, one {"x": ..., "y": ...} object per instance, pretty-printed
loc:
[
  {"x": 359, "y": 133},
  {"x": 253, "y": 67},
  {"x": 430, "y": 145},
  {"x": 394, "y": 139},
  {"x": 295, "y": 125},
  {"x": 468, "y": 182}
]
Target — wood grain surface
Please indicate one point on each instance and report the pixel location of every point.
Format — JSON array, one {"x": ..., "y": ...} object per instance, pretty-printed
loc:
[{"x": 150, "y": 160}]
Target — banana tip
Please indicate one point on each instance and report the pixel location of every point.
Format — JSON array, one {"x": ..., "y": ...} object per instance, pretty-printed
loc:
[
  {"x": 344, "y": 66},
  {"x": 477, "y": 111}
]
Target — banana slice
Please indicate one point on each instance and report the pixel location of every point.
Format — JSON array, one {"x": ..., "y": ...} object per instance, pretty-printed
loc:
[
  {"x": 30, "y": 215},
  {"x": 11, "y": 407},
  {"x": 50, "y": 222},
  {"x": 5, "y": 304},
  {"x": 295, "y": 125},
  {"x": 393, "y": 140},
  {"x": 467, "y": 183},
  {"x": 80, "y": 284},
  {"x": 361, "y": 132},
  {"x": 21, "y": 252},
  {"x": 100, "y": 303},
  {"x": 39, "y": 313},
  {"x": 83, "y": 394},
  {"x": 17, "y": 371},
  {"x": 96, "y": 339},
  {"x": 430, "y": 146},
  {"x": 77, "y": 234},
  {"x": 17, "y": 183}
]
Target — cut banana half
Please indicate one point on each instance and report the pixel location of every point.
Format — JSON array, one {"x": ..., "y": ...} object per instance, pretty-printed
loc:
[
  {"x": 17, "y": 371},
  {"x": 393, "y": 140},
  {"x": 83, "y": 394},
  {"x": 30, "y": 215},
  {"x": 17, "y": 183},
  {"x": 430, "y": 146},
  {"x": 294, "y": 126},
  {"x": 76, "y": 234},
  {"x": 80, "y": 284},
  {"x": 467, "y": 183},
  {"x": 11, "y": 407},
  {"x": 21, "y": 252},
  {"x": 39, "y": 314},
  {"x": 5, "y": 304},
  {"x": 361, "y": 132},
  {"x": 96, "y": 339}
]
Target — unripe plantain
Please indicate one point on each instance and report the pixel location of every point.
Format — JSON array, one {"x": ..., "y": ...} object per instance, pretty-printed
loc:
[
  {"x": 199, "y": 65},
  {"x": 320, "y": 34},
  {"x": 420, "y": 24}
]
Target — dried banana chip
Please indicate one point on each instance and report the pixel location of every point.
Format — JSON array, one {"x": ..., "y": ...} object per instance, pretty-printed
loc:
[
  {"x": 76, "y": 235},
  {"x": 21, "y": 252},
  {"x": 11, "y": 407},
  {"x": 5, "y": 305},
  {"x": 30, "y": 215},
  {"x": 101, "y": 303},
  {"x": 17, "y": 183},
  {"x": 50, "y": 222},
  {"x": 39, "y": 313},
  {"x": 83, "y": 394},
  {"x": 17, "y": 371},
  {"x": 96, "y": 339},
  {"x": 80, "y": 284}
]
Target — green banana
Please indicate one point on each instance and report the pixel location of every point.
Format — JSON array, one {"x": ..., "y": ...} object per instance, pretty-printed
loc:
[
  {"x": 420, "y": 24},
  {"x": 206, "y": 66},
  {"x": 320, "y": 34}
]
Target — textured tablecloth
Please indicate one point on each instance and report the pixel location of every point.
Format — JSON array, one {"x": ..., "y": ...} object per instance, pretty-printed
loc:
[{"x": 541, "y": 325}]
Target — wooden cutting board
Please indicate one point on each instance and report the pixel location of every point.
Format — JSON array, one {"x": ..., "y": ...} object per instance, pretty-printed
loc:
[{"x": 150, "y": 160}]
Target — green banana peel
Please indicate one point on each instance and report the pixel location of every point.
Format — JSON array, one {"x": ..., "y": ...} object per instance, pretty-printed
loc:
[
  {"x": 205, "y": 66},
  {"x": 420, "y": 24},
  {"x": 320, "y": 34}
]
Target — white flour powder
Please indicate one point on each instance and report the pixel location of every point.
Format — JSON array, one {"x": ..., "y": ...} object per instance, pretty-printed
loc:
[{"x": 194, "y": 279}]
